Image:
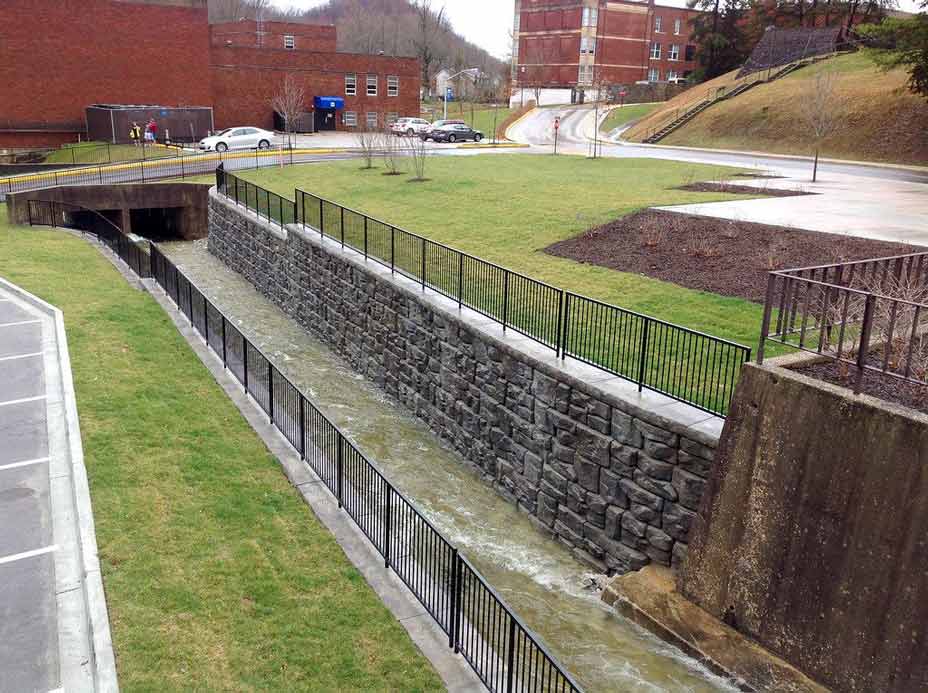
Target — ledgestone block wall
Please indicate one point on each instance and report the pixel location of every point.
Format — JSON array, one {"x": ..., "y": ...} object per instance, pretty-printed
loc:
[{"x": 616, "y": 484}]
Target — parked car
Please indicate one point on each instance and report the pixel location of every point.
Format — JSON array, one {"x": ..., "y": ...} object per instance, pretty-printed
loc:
[
  {"x": 409, "y": 126},
  {"x": 456, "y": 133},
  {"x": 426, "y": 134},
  {"x": 238, "y": 138}
]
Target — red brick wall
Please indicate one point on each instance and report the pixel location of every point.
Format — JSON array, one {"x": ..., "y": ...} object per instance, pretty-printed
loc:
[
  {"x": 307, "y": 37},
  {"x": 245, "y": 80},
  {"x": 60, "y": 56}
]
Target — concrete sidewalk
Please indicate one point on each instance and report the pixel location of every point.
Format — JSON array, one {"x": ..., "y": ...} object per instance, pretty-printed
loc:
[{"x": 54, "y": 632}]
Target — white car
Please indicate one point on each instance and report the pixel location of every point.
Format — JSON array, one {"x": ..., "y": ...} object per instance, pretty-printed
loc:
[
  {"x": 409, "y": 126},
  {"x": 237, "y": 138}
]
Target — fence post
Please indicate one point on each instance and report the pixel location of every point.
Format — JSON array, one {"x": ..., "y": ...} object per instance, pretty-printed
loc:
[
  {"x": 205, "y": 322},
  {"x": 387, "y": 526},
  {"x": 302, "y": 208},
  {"x": 768, "y": 310},
  {"x": 642, "y": 358},
  {"x": 29, "y": 210},
  {"x": 505, "y": 299},
  {"x": 455, "y": 620},
  {"x": 365, "y": 237},
  {"x": 511, "y": 666},
  {"x": 460, "y": 280},
  {"x": 225, "y": 351},
  {"x": 245, "y": 363},
  {"x": 280, "y": 205},
  {"x": 302, "y": 427},
  {"x": 422, "y": 271},
  {"x": 190, "y": 301},
  {"x": 864, "y": 347},
  {"x": 342, "y": 224},
  {"x": 560, "y": 317},
  {"x": 392, "y": 248},
  {"x": 339, "y": 466},
  {"x": 100, "y": 173},
  {"x": 184, "y": 175},
  {"x": 270, "y": 391},
  {"x": 321, "y": 219}
]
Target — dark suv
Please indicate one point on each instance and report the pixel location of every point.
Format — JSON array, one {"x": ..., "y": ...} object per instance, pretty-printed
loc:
[{"x": 455, "y": 133}]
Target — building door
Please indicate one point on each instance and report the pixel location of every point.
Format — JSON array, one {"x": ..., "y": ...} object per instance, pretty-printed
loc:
[{"x": 325, "y": 119}]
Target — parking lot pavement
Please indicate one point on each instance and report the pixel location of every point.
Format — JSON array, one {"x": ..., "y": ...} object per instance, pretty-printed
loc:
[{"x": 28, "y": 599}]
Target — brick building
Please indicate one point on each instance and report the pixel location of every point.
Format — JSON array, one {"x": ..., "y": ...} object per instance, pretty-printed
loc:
[
  {"x": 61, "y": 56},
  {"x": 563, "y": 47}
]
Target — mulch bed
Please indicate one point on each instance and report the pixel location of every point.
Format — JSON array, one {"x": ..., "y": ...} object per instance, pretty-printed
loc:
[
  {"x": 912, "y": 395},
  {"x": 730, "y": 258},
  {"x": 742, "y": 190}
]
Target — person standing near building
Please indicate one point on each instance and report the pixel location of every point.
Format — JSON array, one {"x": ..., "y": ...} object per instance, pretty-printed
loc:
[{"x": 153, "y": 128}]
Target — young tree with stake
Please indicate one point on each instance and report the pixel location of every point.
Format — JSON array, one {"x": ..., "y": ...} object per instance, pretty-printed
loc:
[{"x": 821, "y": 110}]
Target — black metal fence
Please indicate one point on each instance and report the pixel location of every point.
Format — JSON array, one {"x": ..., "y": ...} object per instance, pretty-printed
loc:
[
  {"x": 71, "y": 216},
  {"x": 871, "y": 314},
  {"x": 503, "y": 651},
  {"x": 684, "y": 364}
]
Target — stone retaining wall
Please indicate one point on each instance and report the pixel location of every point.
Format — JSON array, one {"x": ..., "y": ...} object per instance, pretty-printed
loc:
[{"x": 618, "y": 485}]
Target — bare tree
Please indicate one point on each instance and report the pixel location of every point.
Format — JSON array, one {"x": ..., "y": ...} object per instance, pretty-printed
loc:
[
  {"x": 418, "y": 152},
  {"x": 822, "y": 111},
  {"x": 430, "y": 25},
  {"x": 369, "y": 142},
  {"x": 235, "y": 10},
  {"x": 289, "y": 103},
  {"x": 392, "y": 150}
]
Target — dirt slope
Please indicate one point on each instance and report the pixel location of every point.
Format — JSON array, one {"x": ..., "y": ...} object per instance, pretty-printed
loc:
[{"x": 883, "y": 121}]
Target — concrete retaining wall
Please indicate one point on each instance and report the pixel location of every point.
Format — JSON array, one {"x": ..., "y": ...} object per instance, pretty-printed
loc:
[
  {"x": 814, "y": 533},
  {"x": 615, "y": 474}
]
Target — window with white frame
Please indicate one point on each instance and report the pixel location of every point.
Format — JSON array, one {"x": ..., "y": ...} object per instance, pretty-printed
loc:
[
  {"x": 672, "y": 75},
  {"x": 392, "y": 118},
  {"x": 586, "y": 74},
  {"x": 590, "y": 16},
  {"x": 655, "y": 51},
  {"x": 351, "y": 119},
  {"x": 675, "y": 52},
  {"x": 657, "y": 24},
  {"x": 371, "y": 121},
  {"x": 372, "y": 85},
  {"x": 289, "y": 42},
  {"x": 393, "y": 86},
  {"x": 676, "y": 27},
  {"x": 351, "y": 84},
  {"x": 587, "y": 46},
  {"x": 654, "y": 74}
]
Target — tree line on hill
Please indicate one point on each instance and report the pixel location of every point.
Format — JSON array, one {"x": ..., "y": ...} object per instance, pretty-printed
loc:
[{"x": 409, "y": 28}]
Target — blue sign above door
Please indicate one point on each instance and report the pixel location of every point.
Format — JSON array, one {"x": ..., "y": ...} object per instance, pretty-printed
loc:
[{"x": 336, "y": 102}]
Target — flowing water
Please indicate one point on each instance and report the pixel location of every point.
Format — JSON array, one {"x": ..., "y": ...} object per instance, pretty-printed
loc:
[{"x": 540, "y": 579}]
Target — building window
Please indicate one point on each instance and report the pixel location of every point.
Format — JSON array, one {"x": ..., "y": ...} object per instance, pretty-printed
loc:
[
  {"x": 392, "y": 118},
  {"x": 289, "y": 42},
  {"x": 657, "y": 24},
  {"x": 654, "y": 74},
  {"x": 675, "y": 52},
  {"x": 393, "y": 86},
  {"x": 371, "y": 121},
  {"x": 586, "y": 74},
  {"x": 587, "y": 46},
  {"x": 372, "y": 85},
  {"x": 690, "y": 53},
  {"x": 676, "y": 27},
  {"x": 590, "y": 16},
  {"x": 351, "y": 119},
  {"x": 672, "y": 75},
  {"x": 655, "y": 51},
  {"x": 351, "y": 85}
]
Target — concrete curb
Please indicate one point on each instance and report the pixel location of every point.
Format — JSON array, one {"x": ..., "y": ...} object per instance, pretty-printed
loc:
[
  {"x": 423, "y": 630},
  {"x": 95, "y": 615}
]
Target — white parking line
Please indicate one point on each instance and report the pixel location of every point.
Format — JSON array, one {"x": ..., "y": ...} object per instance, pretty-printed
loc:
[
  {"x": 20, "y": 356},
  {"x": 28, "y": 554},
  {"x": 21, "y": 401},
  {"x": 25, "y": 463},
  {"x": 22, "y": 322}
]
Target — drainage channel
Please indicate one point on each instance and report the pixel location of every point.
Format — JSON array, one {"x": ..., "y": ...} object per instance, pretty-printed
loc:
[{"x": 541, "y": 580}]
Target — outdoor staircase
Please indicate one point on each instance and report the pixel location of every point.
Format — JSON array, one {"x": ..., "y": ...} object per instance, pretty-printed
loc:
[{"x": 691, "y": 113}]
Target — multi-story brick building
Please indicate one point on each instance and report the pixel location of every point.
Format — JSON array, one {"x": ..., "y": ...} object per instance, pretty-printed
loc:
[
  {"x": 563, "y": 47},
  {"x": 61, "y": 56}
]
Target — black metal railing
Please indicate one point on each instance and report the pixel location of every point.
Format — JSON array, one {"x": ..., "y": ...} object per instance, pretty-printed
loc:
[
  {"x": 503, "y": 651},
  {"x": 681, "y": 363},
  {"x": 71, "y": 216},
  {"x": 499, "y": 647},
  {"x": 870, "y": 314}
]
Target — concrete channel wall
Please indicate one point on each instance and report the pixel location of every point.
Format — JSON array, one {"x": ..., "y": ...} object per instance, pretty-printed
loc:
[{"x": 615, "y": 474}]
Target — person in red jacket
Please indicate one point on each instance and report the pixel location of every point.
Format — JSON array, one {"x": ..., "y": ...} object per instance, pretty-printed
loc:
[{"x": 153, "y": 129}]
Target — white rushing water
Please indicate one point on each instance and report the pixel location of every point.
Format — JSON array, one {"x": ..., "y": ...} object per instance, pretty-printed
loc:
[{"x": 539, "y": 578}]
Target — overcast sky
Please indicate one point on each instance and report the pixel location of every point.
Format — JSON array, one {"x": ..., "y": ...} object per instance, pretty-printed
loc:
[{"x": 488, "y": 22}]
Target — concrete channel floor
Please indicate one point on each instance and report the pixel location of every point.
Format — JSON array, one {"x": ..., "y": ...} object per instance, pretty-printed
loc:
[{"x": 29, "y": 648}]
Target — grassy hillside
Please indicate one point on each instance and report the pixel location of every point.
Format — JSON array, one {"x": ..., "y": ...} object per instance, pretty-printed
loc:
[
  {"x": 626, "y": 114},
  {"x": 883, "y": 121}
]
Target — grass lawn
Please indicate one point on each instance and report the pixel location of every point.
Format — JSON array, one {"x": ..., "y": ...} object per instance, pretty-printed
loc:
[
  {"x": 626, "y": 114},
  {"x": 481, "y": 118},
  {"x": 100, "y": 153},
  {"x": 217, "y": 576},
  {"x": 507, "y": 208}
]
